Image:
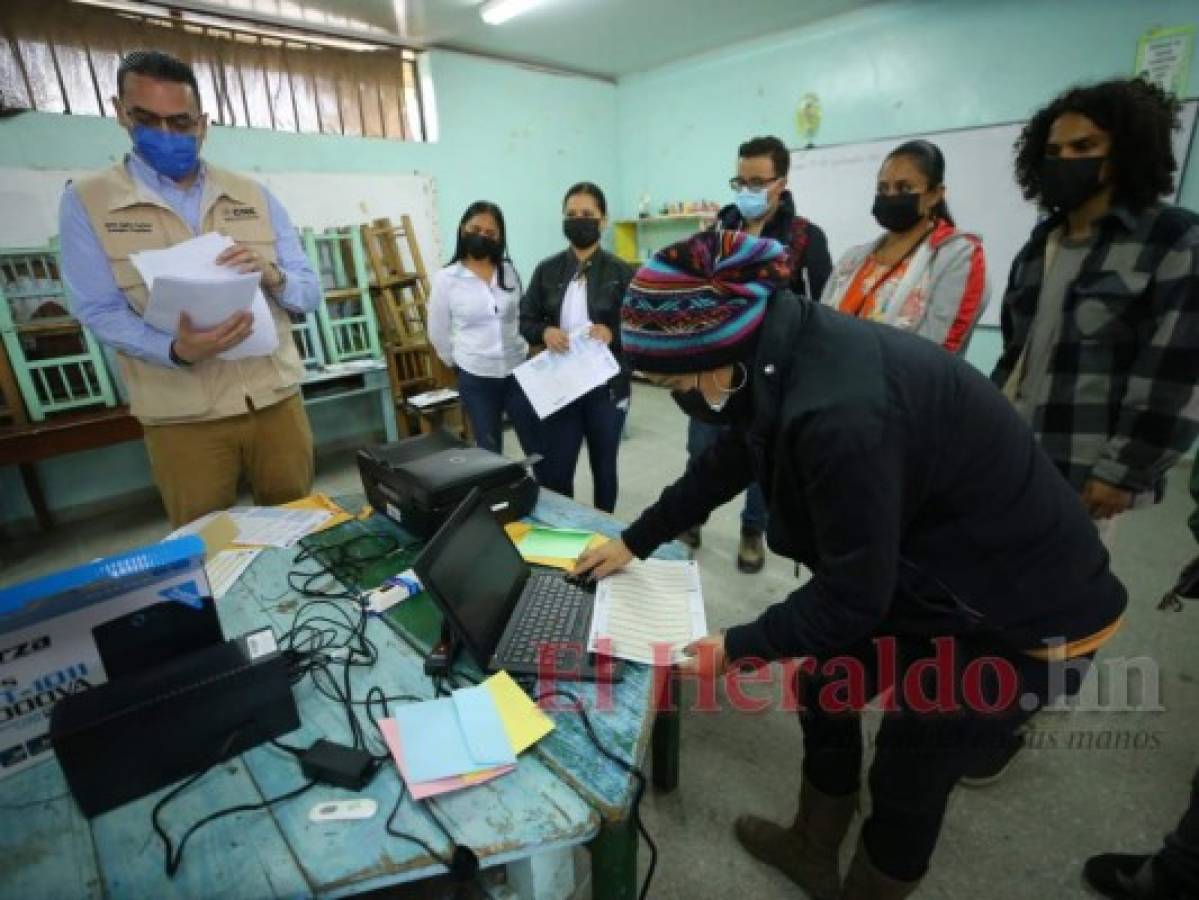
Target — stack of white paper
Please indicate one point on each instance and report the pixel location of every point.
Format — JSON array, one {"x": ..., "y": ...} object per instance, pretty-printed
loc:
[
  {"x": 649, "y": 611},
  {"x": 186, "y": 278},
  {"x": 553, "y": 380}
]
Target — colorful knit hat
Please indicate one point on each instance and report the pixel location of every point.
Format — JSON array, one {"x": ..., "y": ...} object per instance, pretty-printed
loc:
[{"x": 698, "y": 304}]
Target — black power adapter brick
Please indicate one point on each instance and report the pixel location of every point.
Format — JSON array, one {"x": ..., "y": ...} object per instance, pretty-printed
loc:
[{"x": 338, "y": 765}]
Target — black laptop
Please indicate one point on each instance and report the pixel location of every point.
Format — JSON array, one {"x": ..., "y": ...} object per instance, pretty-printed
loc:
[{"x": 502, "y": 610}]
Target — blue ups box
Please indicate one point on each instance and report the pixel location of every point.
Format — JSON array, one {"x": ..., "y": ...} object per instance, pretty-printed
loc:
[{"x": 78, "y": 628}]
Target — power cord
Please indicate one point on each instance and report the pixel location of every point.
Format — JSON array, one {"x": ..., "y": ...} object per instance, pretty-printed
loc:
[
  {"x": 579, "y": 708},
  {"x": 173, "y": 855},
  {"x": 622, "y": 764},
  {"x": 462, "y": 865},
  {"x": 329, "y": 629}
]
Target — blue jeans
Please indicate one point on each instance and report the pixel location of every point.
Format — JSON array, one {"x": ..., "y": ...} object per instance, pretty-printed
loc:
[
  {"x": 701, "y": 436},
  {"x": 486, "y": 400},
  {"x": 598, "y": 418}
]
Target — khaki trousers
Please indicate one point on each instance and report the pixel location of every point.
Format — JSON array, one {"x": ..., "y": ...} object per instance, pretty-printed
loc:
[{"x": 198, "y": 465}]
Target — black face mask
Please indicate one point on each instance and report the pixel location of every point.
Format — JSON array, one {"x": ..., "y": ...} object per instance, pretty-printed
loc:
[
  {"x": 694, "y": 404},
  {"x": 581, "y": 232},
  {"x": 479, "y": 246},
  {"x": 1067, "y": 184},
  {"x": 897, "y": 212}
]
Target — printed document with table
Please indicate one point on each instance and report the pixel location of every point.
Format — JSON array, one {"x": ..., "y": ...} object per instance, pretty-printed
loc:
[
  {"x": 650, "y": 611},
  {"x": 553, "y": 380}
]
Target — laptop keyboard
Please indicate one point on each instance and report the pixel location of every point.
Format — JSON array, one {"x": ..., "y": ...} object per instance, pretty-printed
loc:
[{"x": 551, "y": 613}]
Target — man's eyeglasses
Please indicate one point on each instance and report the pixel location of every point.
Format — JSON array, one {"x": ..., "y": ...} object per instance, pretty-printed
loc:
[
  {"x": 738, "y": 183},
  {"x": 180, "y": 123}
]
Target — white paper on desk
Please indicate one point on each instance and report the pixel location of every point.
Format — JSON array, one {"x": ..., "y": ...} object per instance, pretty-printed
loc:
[
  {"x": 226, "y": 567},
  {"x": 432, "y": 398},
  {"x": 552, "y": 380},
  {"x": 194, "y": 262},
  {"x": 263, "y": 526},
  {"x": 646, "y": 605},
  {"x": 270, "y": 526}
]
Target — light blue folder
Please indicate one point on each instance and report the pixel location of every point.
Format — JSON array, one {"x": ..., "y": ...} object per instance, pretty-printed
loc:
[{"x": 453, "y": 735}]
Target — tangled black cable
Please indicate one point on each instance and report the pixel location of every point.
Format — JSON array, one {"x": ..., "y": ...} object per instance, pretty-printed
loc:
[{"x": 328, "y": 629}]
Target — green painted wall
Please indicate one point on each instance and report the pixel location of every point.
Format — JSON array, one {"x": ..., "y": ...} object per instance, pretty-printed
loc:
[{"x": 891, "y": 69}]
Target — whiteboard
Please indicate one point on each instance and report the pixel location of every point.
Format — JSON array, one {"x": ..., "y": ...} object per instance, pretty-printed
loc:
[
  {"x": 313, "y": 200},
  {"x": 834, "y": 187}
]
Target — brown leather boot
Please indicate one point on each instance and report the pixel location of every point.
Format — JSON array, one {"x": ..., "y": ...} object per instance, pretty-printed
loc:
[
  {"x": 806, "y": 852},
  {"x": 864, "y": 882},
  {"x": 751, "y": 554}
]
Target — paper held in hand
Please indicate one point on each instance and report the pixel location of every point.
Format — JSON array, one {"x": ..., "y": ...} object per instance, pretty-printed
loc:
[
  {"x": 553, "y": 380},
  {"x": 649, "y": 611},
  {"x": 185, "y": 278}
]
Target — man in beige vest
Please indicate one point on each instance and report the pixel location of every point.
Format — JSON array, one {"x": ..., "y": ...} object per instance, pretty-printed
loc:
[{"x": 208, "y": 420}]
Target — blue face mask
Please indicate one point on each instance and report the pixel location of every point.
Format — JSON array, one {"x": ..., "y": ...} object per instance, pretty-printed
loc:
[
  {"x": 752, "y": 204},
  {"x": 168, "y": 153}
]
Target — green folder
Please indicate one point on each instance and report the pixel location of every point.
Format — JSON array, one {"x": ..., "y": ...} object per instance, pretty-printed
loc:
[{"x": 558, "y": 543}]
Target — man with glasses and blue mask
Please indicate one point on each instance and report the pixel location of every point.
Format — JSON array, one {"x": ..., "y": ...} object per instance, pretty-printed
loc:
[
  {"x": 764, "y": 207},
  {"x": 208, "y": 421}
]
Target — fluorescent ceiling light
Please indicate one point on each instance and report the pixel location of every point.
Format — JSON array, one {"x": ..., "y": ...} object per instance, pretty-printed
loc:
[{"x": 497, "y": 12}]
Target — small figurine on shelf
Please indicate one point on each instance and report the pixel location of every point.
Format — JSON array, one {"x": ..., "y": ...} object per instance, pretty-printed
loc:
[{"x": 643, "y": 207}]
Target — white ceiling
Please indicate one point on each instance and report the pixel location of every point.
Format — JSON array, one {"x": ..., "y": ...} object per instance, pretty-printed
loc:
[{"x": 608, "y": 38}]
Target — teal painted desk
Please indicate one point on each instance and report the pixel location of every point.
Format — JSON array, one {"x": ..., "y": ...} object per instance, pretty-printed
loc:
[
  {"x": 633, "y": 726},
  {"x": 562, "y": 794},
  {"x": 47, "y": 849}
]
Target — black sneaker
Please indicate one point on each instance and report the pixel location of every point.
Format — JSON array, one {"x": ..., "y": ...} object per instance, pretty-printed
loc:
[
  {"x": 989, "y": 765},
  {"x": 1125, "y": 876}
]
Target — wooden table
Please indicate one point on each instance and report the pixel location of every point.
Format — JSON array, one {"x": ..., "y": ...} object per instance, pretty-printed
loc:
[
  {"x": 26, "y": 445},
  {"x": 561, "y": 794}
]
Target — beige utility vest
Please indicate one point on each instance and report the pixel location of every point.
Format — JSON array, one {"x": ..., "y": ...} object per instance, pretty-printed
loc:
[{"x": 128, "y": 218}]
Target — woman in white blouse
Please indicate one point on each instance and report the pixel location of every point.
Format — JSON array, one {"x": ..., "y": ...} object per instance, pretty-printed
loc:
[{"x": 473, "y": 311}]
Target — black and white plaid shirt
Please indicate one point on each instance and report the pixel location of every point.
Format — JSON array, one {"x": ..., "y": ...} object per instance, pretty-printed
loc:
[{"x": 1123, "y": 402}]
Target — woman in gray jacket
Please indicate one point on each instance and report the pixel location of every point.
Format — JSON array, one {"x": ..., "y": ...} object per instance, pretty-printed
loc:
[{"x": 922, "y": 275}]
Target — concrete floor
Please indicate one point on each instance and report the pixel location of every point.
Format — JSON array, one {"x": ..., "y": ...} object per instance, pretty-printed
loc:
[{"x": 1023, "y": 838}]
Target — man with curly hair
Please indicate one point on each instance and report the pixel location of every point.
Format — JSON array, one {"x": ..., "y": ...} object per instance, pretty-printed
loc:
[{"x": 1101, "y": 315}]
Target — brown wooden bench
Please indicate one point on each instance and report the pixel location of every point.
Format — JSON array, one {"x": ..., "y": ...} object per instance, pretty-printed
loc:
[{"x": 26, "y": 445}]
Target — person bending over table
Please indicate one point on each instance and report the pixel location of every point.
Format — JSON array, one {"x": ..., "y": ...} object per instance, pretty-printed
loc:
[{"x": 930, "y": 520}]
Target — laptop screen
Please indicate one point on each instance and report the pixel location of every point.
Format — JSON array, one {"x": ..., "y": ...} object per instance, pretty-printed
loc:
[{"x": 473, "y": 572}]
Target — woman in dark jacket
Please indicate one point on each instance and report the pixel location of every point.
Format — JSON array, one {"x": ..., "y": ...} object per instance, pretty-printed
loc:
[
  {"x": 941, "y": 540},
  {"x": 576, "y": 295}
]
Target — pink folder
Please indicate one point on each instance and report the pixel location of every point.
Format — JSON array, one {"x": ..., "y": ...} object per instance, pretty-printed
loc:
[{"x": 423, "y": 789}]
